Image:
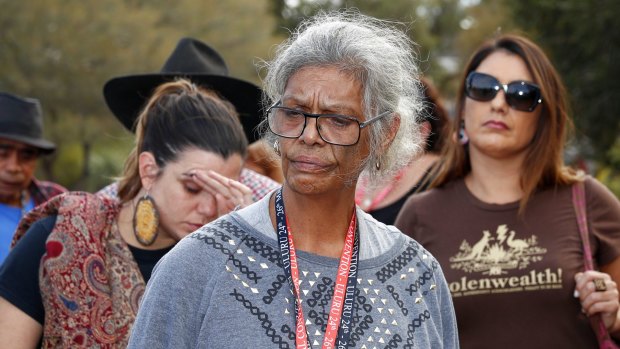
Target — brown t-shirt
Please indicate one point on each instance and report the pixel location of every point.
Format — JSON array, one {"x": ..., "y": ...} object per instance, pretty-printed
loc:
[{"x": 511, "y": 277}]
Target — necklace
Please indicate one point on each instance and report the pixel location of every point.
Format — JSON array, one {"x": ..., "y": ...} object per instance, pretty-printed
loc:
[
  {"x": 366, "y": 200},
  {"x": 338, "y": 328}
]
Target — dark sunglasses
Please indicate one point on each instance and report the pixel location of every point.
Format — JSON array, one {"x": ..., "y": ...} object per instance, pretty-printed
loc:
[{"x": 520, "y": 95}]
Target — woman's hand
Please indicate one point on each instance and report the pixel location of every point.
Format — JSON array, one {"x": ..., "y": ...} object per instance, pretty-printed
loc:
[
  {"x": 598, "y": 294},
  {"x": 229, "y": 194}
]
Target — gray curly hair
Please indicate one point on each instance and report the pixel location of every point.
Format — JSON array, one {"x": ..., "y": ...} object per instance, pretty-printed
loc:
[{"x": 378, "y": 55}]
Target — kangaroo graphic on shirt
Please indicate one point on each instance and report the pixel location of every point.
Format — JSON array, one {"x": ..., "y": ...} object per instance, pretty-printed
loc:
[
  {"x": 493, "y": 254},
  {"x": 480, "y": 246}
]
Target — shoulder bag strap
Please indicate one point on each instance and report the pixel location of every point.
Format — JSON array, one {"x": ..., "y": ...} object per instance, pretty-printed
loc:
[{"x": 579, "y": 203}]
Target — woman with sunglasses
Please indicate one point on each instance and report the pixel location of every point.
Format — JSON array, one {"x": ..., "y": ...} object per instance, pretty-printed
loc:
[
  {"x": 500, "y": 217},
  {"x": 304, "y": 267}
]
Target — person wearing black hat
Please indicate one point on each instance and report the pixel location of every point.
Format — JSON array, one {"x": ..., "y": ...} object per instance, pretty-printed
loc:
[
  {"x": 81, "y": 262},
  {"x": 21, "y": 144},
  {"x": 201, "y": 64}
]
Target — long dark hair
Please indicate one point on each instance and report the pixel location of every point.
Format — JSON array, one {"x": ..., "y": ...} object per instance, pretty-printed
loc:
[
  {"x": 436, "y": 115},
  {"x": 181, "y": 115},
  {"x": 544, "y": 158}
]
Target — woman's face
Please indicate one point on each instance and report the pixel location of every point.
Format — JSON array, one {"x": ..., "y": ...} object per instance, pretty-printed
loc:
[
  {"x": 309, "y": 164},
  {"x": 182, "y": 204},
  {"x": 494, "y": 128}
]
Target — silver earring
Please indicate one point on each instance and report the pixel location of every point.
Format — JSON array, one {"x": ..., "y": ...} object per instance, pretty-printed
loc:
[
  {"x": 276, "y": 147},
  {"x": 377, "y": 166},
  {"x": 463, "y": 139}
]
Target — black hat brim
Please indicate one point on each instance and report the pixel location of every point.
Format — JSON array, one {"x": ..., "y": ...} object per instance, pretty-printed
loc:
[
  {"x": 127, "y": 95},
  {"x": 44, "y": 146}
]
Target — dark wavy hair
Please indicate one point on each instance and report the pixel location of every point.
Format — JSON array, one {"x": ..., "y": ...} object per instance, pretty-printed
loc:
[
  {"x": 180, "y": 116},
  {"x": 436, "y": 115}
]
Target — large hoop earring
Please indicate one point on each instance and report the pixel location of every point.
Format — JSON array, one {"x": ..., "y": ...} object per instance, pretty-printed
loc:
[
  {"x": 146, "y": 220},
  {"x": 276, "y": 147}
]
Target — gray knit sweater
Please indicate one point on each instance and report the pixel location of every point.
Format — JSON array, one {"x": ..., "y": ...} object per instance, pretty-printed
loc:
[{"x": 224, "y": 287}]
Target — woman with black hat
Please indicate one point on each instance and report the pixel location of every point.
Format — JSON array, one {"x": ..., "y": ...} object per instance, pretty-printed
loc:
[
  {"x": 77, "y": 274},
  {"x": 204, "y": 66}
]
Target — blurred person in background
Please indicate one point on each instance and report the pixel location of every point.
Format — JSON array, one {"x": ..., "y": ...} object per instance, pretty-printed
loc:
[
  {"x": 77, "y": 274},
  {"x": 500, "y": 216},
  {"x": 384, "y": 201},
  {"x": 263, "y": 159},
  {"x": 21, "y": 145}
]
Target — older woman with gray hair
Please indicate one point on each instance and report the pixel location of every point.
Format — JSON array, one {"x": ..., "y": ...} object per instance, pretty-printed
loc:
[{"x": 305, "y": 267}]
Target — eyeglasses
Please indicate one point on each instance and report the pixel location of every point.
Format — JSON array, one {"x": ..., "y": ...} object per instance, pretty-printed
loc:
[
  {"x": 520, "y": 95},
  {"x": 24, "y": 154},
  {"x": 332, "y": 128}
]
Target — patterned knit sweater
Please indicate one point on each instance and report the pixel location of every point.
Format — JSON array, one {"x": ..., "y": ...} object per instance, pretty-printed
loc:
[{"x": 224, "y": 287}]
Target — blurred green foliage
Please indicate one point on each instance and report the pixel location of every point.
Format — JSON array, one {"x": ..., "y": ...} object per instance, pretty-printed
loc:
[
  {"x": 581, "y": 37},
  {"x": 63, "y": 51},
  {"x": 583, "y": 40},
  {"x": 609, "y": 173}
]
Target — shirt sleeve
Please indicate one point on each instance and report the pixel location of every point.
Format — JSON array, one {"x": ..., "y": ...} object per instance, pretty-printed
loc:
[
  {"x": 171, "y": 309},
  {"x": 603, "y": 210},
  {"x": 19, "y": 275},
  {"x": 259, "y": 184},
  {"x": 406, "y": 218}
]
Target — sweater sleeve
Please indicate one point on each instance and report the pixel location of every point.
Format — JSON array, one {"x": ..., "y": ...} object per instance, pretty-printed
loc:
[
  {"x": 173, "y": 305},
  {"x": 603, "y": 210},
  {"x": 406, "y": 219},
  {"x": 450, "y": 333}
]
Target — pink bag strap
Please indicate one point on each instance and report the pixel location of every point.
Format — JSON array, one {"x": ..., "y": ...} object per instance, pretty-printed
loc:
[{"x": 579, "y": 203}]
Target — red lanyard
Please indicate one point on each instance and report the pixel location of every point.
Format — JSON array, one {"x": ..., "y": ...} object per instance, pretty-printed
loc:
[{"x": 344, "y": 288}]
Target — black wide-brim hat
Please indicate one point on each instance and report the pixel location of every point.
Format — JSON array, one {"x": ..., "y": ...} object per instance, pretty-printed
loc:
[
  {"x": 199, "y": 63},
  {"x": 21, "y": 120}
]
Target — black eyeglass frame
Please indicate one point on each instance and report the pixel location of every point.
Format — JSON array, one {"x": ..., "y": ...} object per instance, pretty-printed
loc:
[
  {"x": 361, "y": 125},
  {"x": 509, "y": 96}
]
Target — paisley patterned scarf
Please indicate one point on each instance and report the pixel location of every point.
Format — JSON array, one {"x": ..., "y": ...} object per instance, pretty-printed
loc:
[{"x": 90, "y": 283}]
